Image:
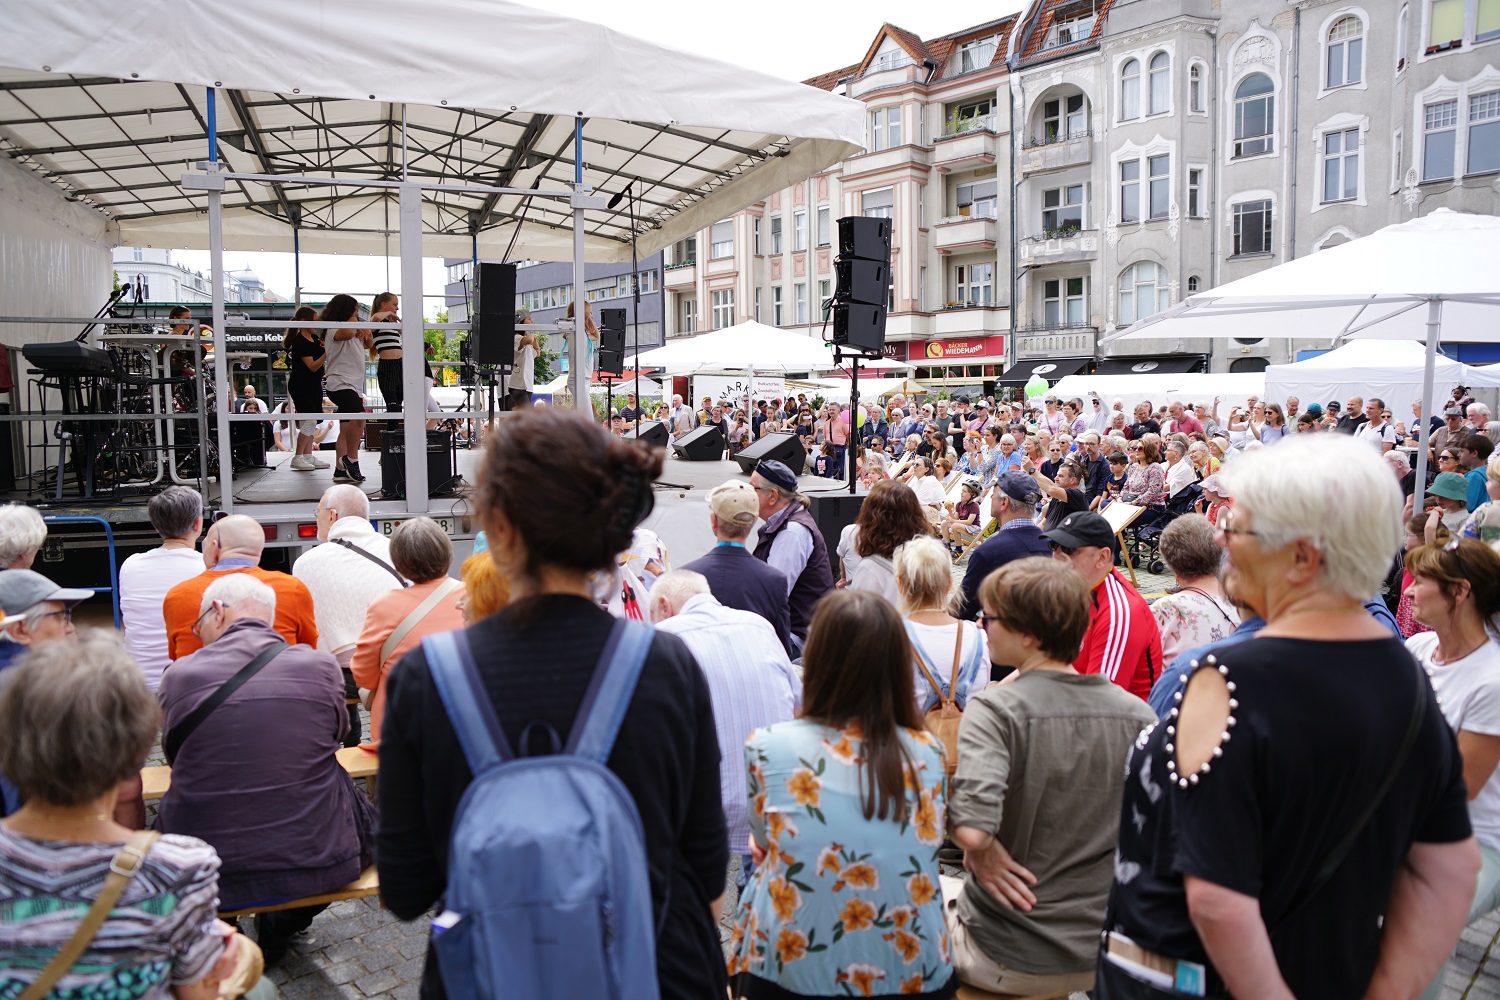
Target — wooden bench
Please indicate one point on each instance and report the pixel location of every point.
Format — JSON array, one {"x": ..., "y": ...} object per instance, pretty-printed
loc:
[
  {"x": 368, "y": 884},
  {"x": 359, "y": 763}
]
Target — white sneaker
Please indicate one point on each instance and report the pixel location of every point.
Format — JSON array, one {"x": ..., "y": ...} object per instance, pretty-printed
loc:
[
  {"x": 302, "y": 463},
  {"x": 317, "y": 463}
]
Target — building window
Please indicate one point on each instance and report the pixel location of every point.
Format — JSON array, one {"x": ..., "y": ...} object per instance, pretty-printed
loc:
[
  {"x": 885, "y": 128},
  {"x": 975, "y": 283},
  {"x": 890, "y": 294},
  {"x": 757, "y": 305},
  {"x": 976, "y": 54},
  {"x": 1192, "y": 284},
  {"x": 1130, "y": 90},
  {"x": 799, "y": 230},
  {"x": 1161, "y": 185},
  {"x": 776, "y": 307},
  {"x": 1130, "y": 191},
  {"x": 1062, "y": 210},
  {"x": 823, "y": 226},
  {"x": 1063, "y": 118},
  {"x": 1063, "y": 303},
  {"x": 1252, "y": 228},
  {"x": 1346, "y": 52},
  {"x": 776, "y": 234},
  {"x": 878, "y": 204},
  {"x": 1254, "y": 112},
  {"x": 799, "y": 298},
  {"x": 685, "y": 251},
  {"x": 1143, "y": 291},
  {"x": 1341, "y": 165},
  {"x": 825, "y": 291},
  {"x": 1487, "y": 20},
  {"x": 755, "y": 236},
  {"x": 721, "y": 240},
  {"x": 1195, "y": 88},
  {"x": 1401, "y": 30},
  {"x": 977, "y": 199},
  {"x": 1398, "y": 155},
  {"x": 1161, "y": 83},
  {"x": 1445, "y": 23},
  {"x": 922, "y": 289},
  {"x": 1068, "y": 28},
  {"x": 689, "y": 315},
  {"x": 142, "y": 286},
  {"x": 1439, "y": 132},
  {"x": 137, "y": 254},
  {"x": 723, "y": 308},
  {"x": 1484, "y": 132},
  {"x": 1195, "y": 194}
]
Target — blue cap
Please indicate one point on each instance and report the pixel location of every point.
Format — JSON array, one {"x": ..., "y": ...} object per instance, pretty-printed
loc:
[{"x": 777, "y": 473}]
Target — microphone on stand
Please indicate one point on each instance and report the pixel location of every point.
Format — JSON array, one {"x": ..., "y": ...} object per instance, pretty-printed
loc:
[{"x": 619, "y": 196}]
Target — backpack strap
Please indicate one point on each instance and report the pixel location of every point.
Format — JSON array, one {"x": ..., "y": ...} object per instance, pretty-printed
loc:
[
  {"x": 958, "y": 647},
  {"x": 608, "y": 695},
  {"x": 451, "y": 661},
  {"x": 937, "y": 688}
]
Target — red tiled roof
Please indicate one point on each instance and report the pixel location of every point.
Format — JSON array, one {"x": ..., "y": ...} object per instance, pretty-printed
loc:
[
  {"x": 827, "y": 81},
  {"x": 1043, "y": 24},
  {"x": 939, "y": 50}
]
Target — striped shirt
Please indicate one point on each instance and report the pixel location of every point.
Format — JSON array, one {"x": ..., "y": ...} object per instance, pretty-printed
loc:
[
  {"x": 751, "y": 682},
  {"x": 1123, "y": 641}
]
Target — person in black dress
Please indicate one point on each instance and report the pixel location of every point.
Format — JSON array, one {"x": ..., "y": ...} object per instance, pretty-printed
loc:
[
  {"x": 304, "y": 350},
  {"x": 536, "y": 657},
  {"x": 1263, "y": 851}
]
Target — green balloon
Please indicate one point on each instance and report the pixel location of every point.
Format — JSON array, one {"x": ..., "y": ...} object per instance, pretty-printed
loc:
[{"x": 1036, "y": 386}]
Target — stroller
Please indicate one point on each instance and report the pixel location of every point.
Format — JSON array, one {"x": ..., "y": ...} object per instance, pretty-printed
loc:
[{"x": 1146, "y": 545}]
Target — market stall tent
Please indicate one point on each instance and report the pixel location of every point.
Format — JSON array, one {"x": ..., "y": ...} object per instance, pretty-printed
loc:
[{"x": 1231, "y": 388}]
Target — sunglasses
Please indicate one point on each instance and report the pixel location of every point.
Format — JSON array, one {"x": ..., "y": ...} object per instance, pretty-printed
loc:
[
  {"x": 1445, "y": 457},
  {"x": 983, "y": 621},
  {"x": 1066, "y": 550}
]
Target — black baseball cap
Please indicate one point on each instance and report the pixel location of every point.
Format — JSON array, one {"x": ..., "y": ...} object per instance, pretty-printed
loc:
[
  {"x": 1019, "y": 486},
  {"x": 1334, "y": 405},
  {"x": 1084, "y": 528},
  {"x": 777, "y": 473}
]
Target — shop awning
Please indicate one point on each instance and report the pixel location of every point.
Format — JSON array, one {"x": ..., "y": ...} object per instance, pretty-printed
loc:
[
  {"x": 1050, "y": 369},
  {"x": 1162, "y": 364}
]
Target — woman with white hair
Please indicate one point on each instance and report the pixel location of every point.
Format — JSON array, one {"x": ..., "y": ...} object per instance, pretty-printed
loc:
[
  {"x": 1297, "y": 824},
  {"x": 22, "y": 532},
  {"x": 948, "y": 650}
]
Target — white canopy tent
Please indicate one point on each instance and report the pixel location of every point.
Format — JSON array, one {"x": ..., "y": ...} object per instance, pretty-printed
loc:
[
  {"x": 1429, "y": 279},
  {"x": 751, "y": 346},
  {"x": 1231, "y": 388},
  {"x": 837, "y": 390},
  {"x": 1390, "y": 370}
]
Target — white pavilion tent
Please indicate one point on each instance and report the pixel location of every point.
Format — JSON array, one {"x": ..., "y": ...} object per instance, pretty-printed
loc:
[
  {"x": 751, "y": 346},
  {"x": 1390, "y": 370}
]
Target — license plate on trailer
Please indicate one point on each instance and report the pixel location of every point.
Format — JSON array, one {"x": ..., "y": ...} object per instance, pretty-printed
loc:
[{"x": 448, "y": 524}]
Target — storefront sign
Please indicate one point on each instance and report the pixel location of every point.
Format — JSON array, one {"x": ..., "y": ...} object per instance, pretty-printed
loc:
[{"x": 964, "y": 347}]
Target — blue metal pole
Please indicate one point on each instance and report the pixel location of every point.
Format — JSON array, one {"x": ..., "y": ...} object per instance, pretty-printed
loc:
[{"x": 213, "y": 128}]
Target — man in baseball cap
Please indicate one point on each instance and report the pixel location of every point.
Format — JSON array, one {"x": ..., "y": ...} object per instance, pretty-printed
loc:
[
  {"x": 1123, "y": 641},
  {"x": 737, "y": 579},
  {"x": 791, "y": 542},
  {"x": 33, "y": 609},
  {"x": 1012, "y": 506}
]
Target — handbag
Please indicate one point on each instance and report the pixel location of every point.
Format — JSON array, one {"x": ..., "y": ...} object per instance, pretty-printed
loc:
[
  {"x": 345, "y": 543},
  {"x": 127, "y": 861},
  {"x": 943, "y": 718},
  {"x": 416, "y": 614}
]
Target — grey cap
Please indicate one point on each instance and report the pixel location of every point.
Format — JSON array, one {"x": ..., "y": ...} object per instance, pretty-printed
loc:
[{"x": 23, "y": 589}]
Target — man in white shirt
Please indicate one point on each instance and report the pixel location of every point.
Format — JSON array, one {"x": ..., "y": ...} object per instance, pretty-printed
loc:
[
  {"x": 1180, "y": 471},
  {"x": 1377, "y": 430},
  {"x": 177, "y": 515},
  {"x": 750, "y": 680},
  {"x": 523, "y": 372},
  {"x": 684, "y": 421}
]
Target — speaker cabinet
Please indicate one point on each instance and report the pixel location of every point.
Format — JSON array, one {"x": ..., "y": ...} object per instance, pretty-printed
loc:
[
  {"x": 652, "y": 432},
  {"x": 706, "y": 444},
  {"x": 859, "y": 326},
  {"x": 440, "y": 468},
  {"x": 493, "y": 325},
  {"x": 782, "y": 446},
  {"x": 869, "y": 239},
  {"x": 833, "y": 512},
  {"x": 612, "y": 341},
  {"x": 863, "y": 280}
]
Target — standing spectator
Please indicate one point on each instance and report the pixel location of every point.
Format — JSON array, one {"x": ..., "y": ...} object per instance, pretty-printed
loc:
[
  {"x": 667, "y": 752},
  {"x": 1376, "y": 429},
  {"x": 838, "y": 435},
  {"x": 940, "y": 641},
  {"x": 1197, "y": 612},
  {"x": 683, "y": 421},
  {"x": 889, "y": 518},
  {"x": 22, "y": 532},
  {"x": 145, "y": 578},
  {"x": 272, "y": 743},
  {"x": 234, "y": 545},
  {"x": 847, "y": 815},
  {"x": 1473, "y": 455},
  {"x": 1095, "y": 466},
  {"x": 1275, "y": 428},
  {"x": 750, "y": 680},
  {"x": 305, "y": 357},
  {"x": 1012, "y": 504},
  {"x": 1353, "y": 417},
  {"x": 1226, "y": 830},
  {"x": 522, "y": 383},
  {"x": 1036, "y": 758},
  {"x": 1052, "y": 420},
  {"x": 791, "y": 542},
  {"x": 1098, "y": 416},
  {"x": 1181, "y": 422},
  {"x": 735, "y": 577},
  {"x": 1123, "y": 642},
  {"x": 398, "y": 619},
  {"x": 344, "y": 371}
]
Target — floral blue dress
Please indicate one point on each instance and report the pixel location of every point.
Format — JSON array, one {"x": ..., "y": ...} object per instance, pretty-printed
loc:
[{"x": 842, "y": 905}]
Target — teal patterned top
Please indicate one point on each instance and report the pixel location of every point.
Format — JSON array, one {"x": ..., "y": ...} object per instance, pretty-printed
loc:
[{"x": 842, "y": 905}]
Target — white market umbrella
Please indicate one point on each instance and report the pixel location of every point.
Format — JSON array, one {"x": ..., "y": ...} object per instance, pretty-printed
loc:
[{"x": 1429, "y": 279}]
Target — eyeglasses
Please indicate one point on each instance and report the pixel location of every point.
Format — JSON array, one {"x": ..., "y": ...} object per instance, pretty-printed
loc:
[
  {"x": 1226, "y": 528},
  {"x": 66, "y": 614},
  {"x": 1064, "y": 549},
  {"x": 983, "y": 621},
  {"x": 215, "y": 606}
]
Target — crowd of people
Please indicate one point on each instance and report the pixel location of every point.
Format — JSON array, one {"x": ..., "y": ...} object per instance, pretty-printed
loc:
[{"x": 827, "y": 729}]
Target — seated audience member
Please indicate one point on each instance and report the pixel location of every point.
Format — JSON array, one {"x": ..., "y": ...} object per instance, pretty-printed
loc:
[
  {"x": 177, "y": 515},
  {"x": 1474, "y": 454},
  {"x": 1163, "y": 693},
  {"x": 399, "y": 619},
  {"x": 22, "y": 532},
  {"x": 78, "y": 721},
  {"x": 924, "y": 482},
  {"x": 1012, "y": 505},
  {"x": 1064, "y": 491},
  {"x": 1196, "y": 614},
  {"x": 1145, "y": 482},
  {"x": 889, "y": 518},
  {"x": 942, "y": 644},
  {"x": 1038, "y": 764},
  {"x": 535, "y": 659},
  {"x": 853, "y": 792},
  {"x": 735, "y": 577},
  {"x": 1416, "y": 536},
  {"x": 234, "y": 545},
  {"x": 485, "y": 589},
  {"x": 750, "y": 679},
  {"x": 260, "y": 782},
  {"x": 1123, "y": 642},
  {"x": 963, "y": 523},
  {"x": 1450, "y": 493}
]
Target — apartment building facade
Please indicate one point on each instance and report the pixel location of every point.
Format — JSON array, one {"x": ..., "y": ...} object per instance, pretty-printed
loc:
[{"x": 1164, "y": 147}]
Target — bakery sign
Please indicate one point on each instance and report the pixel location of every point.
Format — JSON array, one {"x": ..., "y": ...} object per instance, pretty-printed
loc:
[{"x": 964, "y": 347}]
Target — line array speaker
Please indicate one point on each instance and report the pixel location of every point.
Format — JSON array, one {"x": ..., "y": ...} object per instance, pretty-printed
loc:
[
  {"x": 868, "y": 239},
  {"x": 612, "y": 341},
  {"x": 493, "y": 325}
]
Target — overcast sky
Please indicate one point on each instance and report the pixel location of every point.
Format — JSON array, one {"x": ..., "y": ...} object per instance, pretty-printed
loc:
[{"x": 792, "y": 39}]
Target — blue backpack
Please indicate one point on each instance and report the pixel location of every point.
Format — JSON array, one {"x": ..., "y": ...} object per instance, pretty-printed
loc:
[{"x": 548, "y": 894}]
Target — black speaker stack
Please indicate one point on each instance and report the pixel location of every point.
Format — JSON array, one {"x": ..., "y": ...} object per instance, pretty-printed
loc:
[
  {"x": 783, "y": 446},
  {"x": 706, "y": 444},
  {"x": 612, "y": 341},
  {"x": 492, "y": 328},
  {"x": 442, "y": 464},
  {"x": 863, "y": 273}
]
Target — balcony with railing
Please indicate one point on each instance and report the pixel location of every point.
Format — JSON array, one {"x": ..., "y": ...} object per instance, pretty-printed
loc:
[
  {"x": 683, "y": 274},
  {"x": 1068, "y": 245},
  {"x": 1055, "y": 340},
  {"x": 963, "y": 233},
  {"x": 887, "y": 73},
  {"x": 1055, "y": 152},
  {"x": 966, "y": 143},
  {"x": 978, "y": 319}
]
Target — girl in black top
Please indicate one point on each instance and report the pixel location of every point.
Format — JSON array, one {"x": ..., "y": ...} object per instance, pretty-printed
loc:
[
  {"x": 304, "y": 349},
  {"x": 536, "y": 657}
]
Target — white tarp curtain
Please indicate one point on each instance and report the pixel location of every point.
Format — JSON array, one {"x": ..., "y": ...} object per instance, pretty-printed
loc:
[
  {"x": 746, "y": 347},
  {"x": 870, "y": 389},
  {"x": 1231, "y": 388},
  {"x": 491, "y": 90},
  {"x": 1390, "y": 370}
]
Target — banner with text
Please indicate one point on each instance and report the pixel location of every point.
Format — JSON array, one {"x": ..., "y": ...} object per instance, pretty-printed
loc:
[{"x": 732, "y": 387}]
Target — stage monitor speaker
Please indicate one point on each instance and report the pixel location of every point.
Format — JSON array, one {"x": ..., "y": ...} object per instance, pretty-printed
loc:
[
  {"x": 869, "y": 239},
  {"x": 783, "y": 446},
  {"x": 833, "y": 512},
  {"x": 865, "y": 281},
  {"x": 706, "y": 444},
  {"x": 440, "y": 470},
  {"x": 493, "y": 325},
  {"x": 859, "y": 326},
  {"x": 652, "y": 432}
]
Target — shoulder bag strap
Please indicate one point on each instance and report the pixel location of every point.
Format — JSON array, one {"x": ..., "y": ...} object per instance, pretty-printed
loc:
[
  {"x": 345, "y": 543},
  {"x": 958, "y": 646},
  {"x": 608, "y": 695},
  {"x": 451, "y": 660},
  {"x": 1341, "y": 849},
  {"x": 180, "y": 732},
  {"x": 416, "y": 614},
  {"x": 121, "y": 870},
  {"x": 916, "y": 648}
]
